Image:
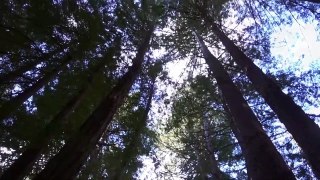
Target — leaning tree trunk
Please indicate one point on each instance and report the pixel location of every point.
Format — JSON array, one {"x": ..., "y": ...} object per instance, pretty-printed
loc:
[
  {"x": 264, "y": 161},
  {"x": 131, "y": 150},
  {"x": 10, "y": 106},
  {"x": 202, "y": 172},
  {"x": 24, "y": 163},
  {"x": 236, "y": 132},
  {"x": 90, "y": 170},
  {"x": 196, "y": 147},
  {"x": 303, "y": 129},
  {"x": 215, "y": 170},
  {"x": 67, "y": 162}
]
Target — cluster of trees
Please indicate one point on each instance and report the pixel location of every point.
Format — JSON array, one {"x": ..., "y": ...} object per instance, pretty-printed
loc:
[{"x": 78, "y": 80}]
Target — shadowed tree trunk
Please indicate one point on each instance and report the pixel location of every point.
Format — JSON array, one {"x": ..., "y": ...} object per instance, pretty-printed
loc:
[
  {"x": 93, "y": 161},
  {"x": 215, "y": 170},
  {"x": 130, "y": 151},
  {"x": 201, "y": 165},
  {"x": 202, "y": 173},
  {"x": 24, "y": 163},
  {"x": 264, "y": 161},
  {"x": 236, "y": 133},
  {"x": 303, "y": 129},
  {"x": 10, "y": 106},
  {"x": 66, "y": 163}
]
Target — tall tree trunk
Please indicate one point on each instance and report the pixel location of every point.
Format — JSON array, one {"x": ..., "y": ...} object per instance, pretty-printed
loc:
[
  {"x": 264, "y": 161},
  {"x": 196, "y": 147},
  {"x": 236, "y": 133},
  {"x": 130, "y": 151},
  {"x": 24, "y": 163},
  {"x": 215, "y": 170},
  {"x": 202, "y": 172},
  {"x": 303, "y": 129},
  {"x": 10, "y": 106},
  {"x": 67, "y": 162},
  {"x": 90, "y": 171}
]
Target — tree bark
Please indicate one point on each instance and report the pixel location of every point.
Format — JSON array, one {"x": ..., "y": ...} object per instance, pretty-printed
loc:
[
  {"x": 303, "y": 129},
  {"x": 236, "y": 133},
  {"x": 215, "y": 170},
  {"x": 67, "y": 162},
  {"x": 202, "y": 172},
  {"x": 10, "y": 106},
  {"x": 264, "y": 161},
  {"x": 92, "y": 170}
]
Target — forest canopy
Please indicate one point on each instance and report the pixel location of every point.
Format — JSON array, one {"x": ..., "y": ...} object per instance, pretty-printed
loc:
[{"x": 159, "y": 89}]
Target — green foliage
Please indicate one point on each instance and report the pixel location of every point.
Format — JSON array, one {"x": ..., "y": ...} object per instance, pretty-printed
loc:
[
  {"x": 101, "y": 37},
  {"x": 196, "y": 114}
]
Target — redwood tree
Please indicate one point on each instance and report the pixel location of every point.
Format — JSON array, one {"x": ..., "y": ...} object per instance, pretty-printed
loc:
[
  {"x": 67, "y": 162},
  {"x": 263, "y": 160},
  {"x": 303, "y": 129}
]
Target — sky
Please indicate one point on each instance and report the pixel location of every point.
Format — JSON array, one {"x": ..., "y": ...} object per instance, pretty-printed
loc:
[{"x": 297, "y": 45}]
